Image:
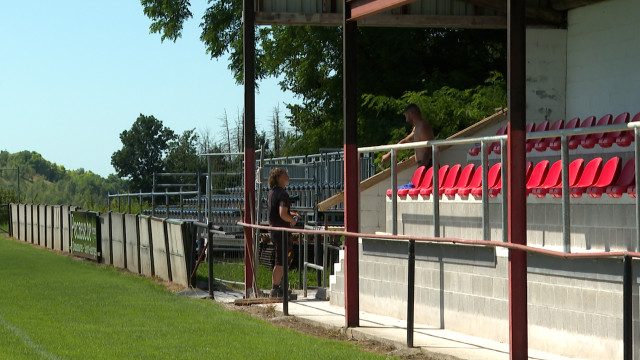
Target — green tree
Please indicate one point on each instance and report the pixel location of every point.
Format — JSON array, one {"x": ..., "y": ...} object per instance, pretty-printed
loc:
[
  {"x": 143, "y": 149},
  {"x": 391, "y": 62},
  {"x": 182, "y": 155}
]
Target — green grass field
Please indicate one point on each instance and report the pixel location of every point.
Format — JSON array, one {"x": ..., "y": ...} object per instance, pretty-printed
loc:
[{"x": 56, "y": 307}]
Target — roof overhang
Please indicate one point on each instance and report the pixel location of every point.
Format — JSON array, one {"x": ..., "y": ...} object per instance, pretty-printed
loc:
[{"x": 466, "y": 14}]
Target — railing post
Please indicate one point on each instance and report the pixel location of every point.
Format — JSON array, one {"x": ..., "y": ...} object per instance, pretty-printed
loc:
[
  {"x": 394, "y": 193},
  {"x": 485, "y": 190},
  {"x": 284, "y": 285},
  {"x": 627, "y": 308},
  {"x": 411, "y": 278},
  {"x": 566, "y": 211},
  {"x": 210, "y": 257},
  {"x": 636, "y": 135},
  {"x": 436, "y": 196},
  {"x": 505, "y": 191}
]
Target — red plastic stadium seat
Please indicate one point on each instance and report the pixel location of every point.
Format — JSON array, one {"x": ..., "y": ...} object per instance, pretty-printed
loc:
[
  {"x": 451, "y": 179},
  {"x": 543, "y": 143},
  {"x": 531, "y": 143},
  {"x": 609, "y": 174},
  {"x": 552, "y": 179},
  {"x": 442, "y": 173},
  {"x": 575, "y": 171},
  {"x": 576, "y": 140},
  {"x": 463, "y": 181},
  {"x": 631, "y": 191},
  {"x": 492, "y": 179},
  {"x": 626, "y": 178},
  {"x": 626, "y": 138},
  {"x": 416, "y": 179},
  {"x": 592, "y": 139},
  {"x": 610, "y": 138},
  {"x": 590, "y": 175},
  {"x": 476, "y": 181},
  {"x": 495, "y": 146},
  {"x": 571, "y": 124},
  {"x": 537, "y": 175},
  {"x": 427, "y": 181}
]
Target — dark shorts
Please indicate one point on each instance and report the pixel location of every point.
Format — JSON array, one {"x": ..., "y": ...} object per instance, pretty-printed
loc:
[
  {"x": 427, "y": 163},
  {"x": 276, "y": 239}
]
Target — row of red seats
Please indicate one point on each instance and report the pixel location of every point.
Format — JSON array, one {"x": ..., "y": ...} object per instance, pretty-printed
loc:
[
  {"x": 587, "y": 141},
  {"x": 593, "y": 179}
]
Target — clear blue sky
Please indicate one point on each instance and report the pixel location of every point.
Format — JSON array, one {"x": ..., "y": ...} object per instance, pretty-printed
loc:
[{"x": 75, "y": 73}]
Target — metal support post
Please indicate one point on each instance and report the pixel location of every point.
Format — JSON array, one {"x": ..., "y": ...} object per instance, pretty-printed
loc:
[
  {"x": 517, "y": 227},
  {"x": 394, "y": 193},
  {"x": 566, "y": 209},
  {"x": 505, "y": 190},
  {"x": 636, "y": 135},
  {"x": 351, "y": 167},
  {"x": 210, "y": 256},
  {"x": 485, "y": 191},
  {"x": 627, "y": 308},
  {"x": 284, "y": 285},
  {"x": 411, "y": 279}
]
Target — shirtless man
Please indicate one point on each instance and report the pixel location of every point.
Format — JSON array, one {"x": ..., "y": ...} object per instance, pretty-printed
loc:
[{"x": 421, "y": 132}]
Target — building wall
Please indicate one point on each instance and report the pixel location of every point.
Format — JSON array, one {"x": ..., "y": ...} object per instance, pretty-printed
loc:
[
  {"x": 603, "y": 53},
  {"x": 546, "y": 74},
  {"x": 574, "y": 306}
]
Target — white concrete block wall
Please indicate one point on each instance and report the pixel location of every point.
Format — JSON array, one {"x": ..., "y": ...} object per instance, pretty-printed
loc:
[
  {"x": 603, "y": 53},
  {"x": 574, "y": 306}
]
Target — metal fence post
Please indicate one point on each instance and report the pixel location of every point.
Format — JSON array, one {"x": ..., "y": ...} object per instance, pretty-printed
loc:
[
  {"x": 627, "y": 308},
  {"x": 411, "y": 278},
  {"x": 284, "y": 285},
  {"x": 210, "y": 257}
]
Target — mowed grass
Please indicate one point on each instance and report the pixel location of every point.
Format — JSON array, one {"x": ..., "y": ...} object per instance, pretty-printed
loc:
[{"x": 56, "y": 307}]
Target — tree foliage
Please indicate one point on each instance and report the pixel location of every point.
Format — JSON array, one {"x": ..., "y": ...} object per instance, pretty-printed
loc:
[
  {"x": 143, "y": 149},
  {"x": 404, "y": 64}
]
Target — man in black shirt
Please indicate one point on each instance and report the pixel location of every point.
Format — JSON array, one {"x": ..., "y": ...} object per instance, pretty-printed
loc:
[{"x": 280, "y": 215}]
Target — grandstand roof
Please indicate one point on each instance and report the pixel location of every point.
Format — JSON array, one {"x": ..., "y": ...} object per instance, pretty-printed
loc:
[{"x": 479, "y": 14}]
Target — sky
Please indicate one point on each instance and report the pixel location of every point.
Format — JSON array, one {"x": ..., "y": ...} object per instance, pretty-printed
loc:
[{"x": 74, "y": 74}]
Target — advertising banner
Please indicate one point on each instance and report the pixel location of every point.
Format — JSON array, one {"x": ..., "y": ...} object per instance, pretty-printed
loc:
[{"x": 85, "y": 234}]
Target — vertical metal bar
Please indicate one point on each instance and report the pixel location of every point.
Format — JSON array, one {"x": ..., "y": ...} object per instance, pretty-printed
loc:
[
  {"x": 627, "y": 308},
  {"x": 210, "y": 256},
  {"x": 636, "y": 135},
  {"x": 324, "y": 259},
  {"x": 436, "y": 195},
  {"x": 304, "y": 266},
  {"x": 566, "y": 210},
  {"x": 199, "y": 201},
  {"x": 394, "y": 193},
  {"x": 411, "y": 279},
  {"x": 351, "y": 168},
  {"x": 249, "y": 58},
  {"x": 516, "y": 77},
  {"x": 284, "y": 285},
  {"x": 18, "y": 181},
  {"x": 316, "y": 257},
  {"x": 505, "y": 190},
  {"x": 485, "y": 190}
]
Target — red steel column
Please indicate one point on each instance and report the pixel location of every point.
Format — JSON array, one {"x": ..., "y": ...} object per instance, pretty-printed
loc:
[
  {"x": 351, "y": 168},
  {"x": 517, "y": 221},
  {"x": 249, "y": 136}
]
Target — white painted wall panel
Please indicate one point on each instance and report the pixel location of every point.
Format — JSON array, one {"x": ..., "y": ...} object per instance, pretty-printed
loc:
[{"x": 603, "y": 53}]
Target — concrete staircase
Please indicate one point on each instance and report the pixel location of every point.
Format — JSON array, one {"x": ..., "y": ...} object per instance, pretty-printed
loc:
[{"x": 336, "y": 282}]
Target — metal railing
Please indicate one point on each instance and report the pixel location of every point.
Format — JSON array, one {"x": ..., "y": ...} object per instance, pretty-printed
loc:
[
  {"x": 626, "y": 256},
  {"x": 484, "y": 141}
]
